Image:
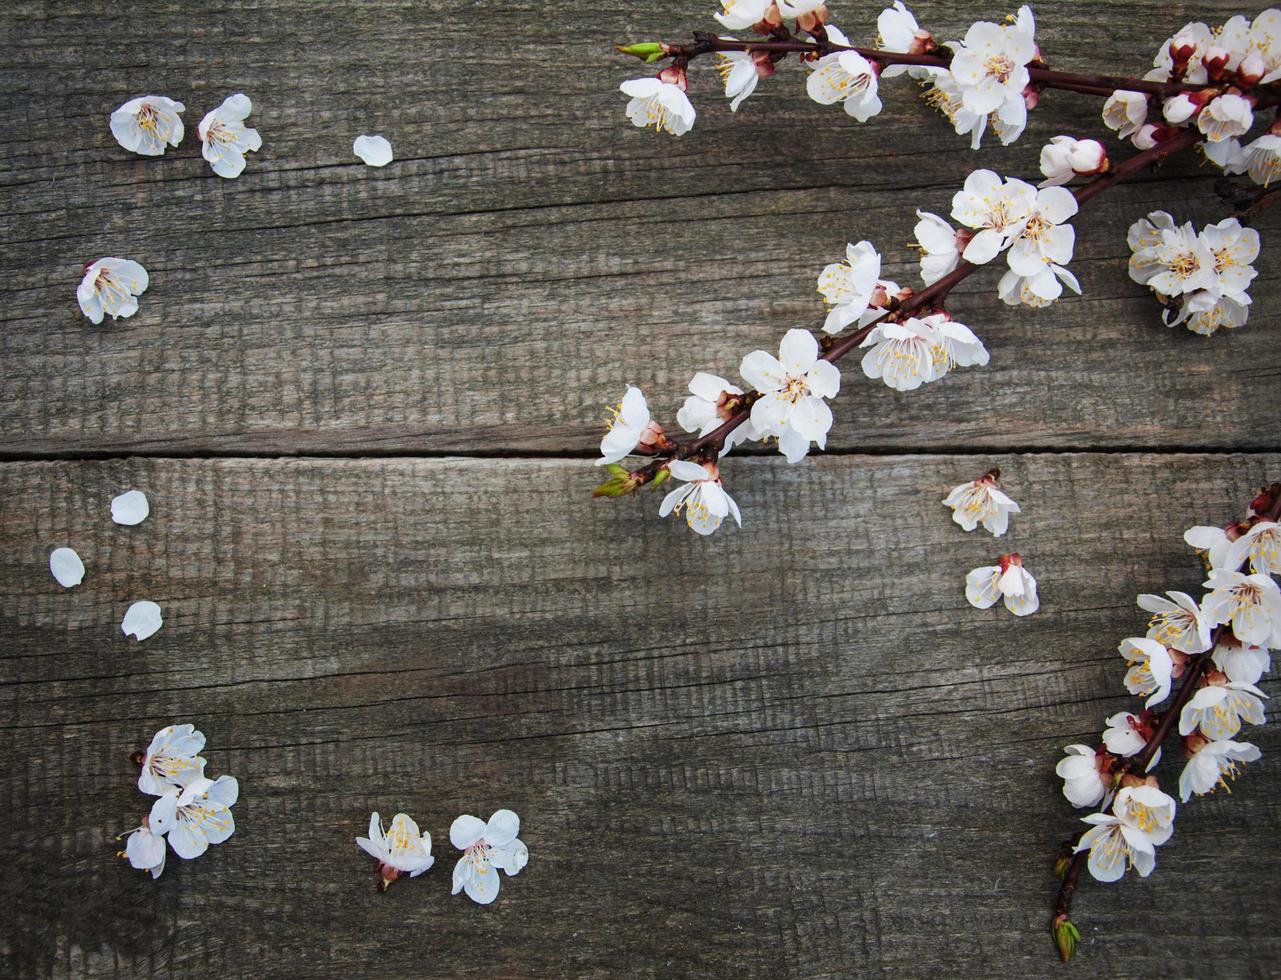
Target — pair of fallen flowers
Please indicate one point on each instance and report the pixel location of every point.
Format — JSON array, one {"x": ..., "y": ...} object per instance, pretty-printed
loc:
[
  {"x": 486, "y": 847},
  {"x": 983, "y": 502}
]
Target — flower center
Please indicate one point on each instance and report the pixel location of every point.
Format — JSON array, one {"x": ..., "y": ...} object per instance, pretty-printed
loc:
[
  {"x": 147, "y": 117},
  {"x": 795, "y": 390},
  {"x": 1185, "y": 265},
  {"x": 1000, "y": 67}
]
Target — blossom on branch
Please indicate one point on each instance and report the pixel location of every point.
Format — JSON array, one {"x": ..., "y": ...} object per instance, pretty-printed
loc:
[
  {"x": 1127, "y": 734},
  {"x": 1125, "y": 112},
  {"x": 712, "y": 402},
  {"x": 898, "y": 31},
  {"x": 848, "y": 78},
  {"x": 702, "y": 498},
  {"x": 739, "y": 15},
  {"x": 792, "y": 387},
  {"x": 1176, "y": 622},
  {"x": 1219, "y": 708},
  {"x": 1213, "y": 764},
  {"x": 990, "y": 63},
  {"x": 920, "y": 350},
  {"x": 1064, "y": 158},
  {"x": 1151, "y": 668},
  {"x": 940, "y": 244},
  {"x": 1250, "y": 603},
  {"x": 630, "y": 429},
  {"x": 848, "y": 287},
  {"x": 660, "y": 104},
  {"x": 996, "y": 209},
  {"x": 740, "y": 71},
  {"x": 1085, "y": 781}
]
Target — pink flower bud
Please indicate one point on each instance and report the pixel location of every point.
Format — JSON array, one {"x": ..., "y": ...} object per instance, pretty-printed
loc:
[
  {"x": 1251, "y": 69},
  {"x": 1182, "y": 49},
  {"x": 675, "y": 75},
  {"x": 1215, "y": 60},
  {"x": 652, "y": 439},
  {"x": 1031, "y": 96}
]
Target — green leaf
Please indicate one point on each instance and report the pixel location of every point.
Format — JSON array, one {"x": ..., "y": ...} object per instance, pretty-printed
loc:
[{"x": 646, "y": 51}]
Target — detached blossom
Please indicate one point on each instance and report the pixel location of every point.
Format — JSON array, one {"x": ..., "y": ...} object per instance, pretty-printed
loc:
[
  {"x": 662, "y": 105},
  {"x": 1125, "y": 112},
  {"x": 1151, "y": 668},
  {"x": 792, "y": 388},
  {"x": 148, "y": 125},
  {"x": 485, "y": 847},
  {"x": 1064, "y": 158},
  {"x": 920, "y": 350},
  {"x": 1219, "y": 709},
  {"x": 1261, "y": 545},
  {"x": 941, "y": 246},
  {"x": 1127, "y": 734},
  {"x": 742, "y": 14},
  {"x": 1084, "y": 783},
  {"x": 849, "y": 78},
  {"x": 630, "y": 429},
  {"x": 703, "y": 497},
  {"x": 402, "y": 850},
  {"x": 740, "y": 71},
  {"x": 996, "y": 209},
  {"x": 172, "y": 760},
  {"x": 847, "y": 287},
  {"x": 712, "y": 403},
  {"x": 981, "y": 501},
  {"x": 990, "y": 64},
  {"x": 1214, "y": 764},
  {"x": 198, "y": 816},
  {"x": 1007, "y": 579},
  {"x": 146, "y": 851},
  {"x": 1176, "y": 624},
  {"x": 1044, "y": 245},
  {"x": 226, "y": 138},
  {"x": 110, "y": 287},
  {"x": 1226, "y": 117},
  {"x": 1251, "y": 603},
  {"x": 1241, "y": 662},
  {"x": 1114, "y": 845}
]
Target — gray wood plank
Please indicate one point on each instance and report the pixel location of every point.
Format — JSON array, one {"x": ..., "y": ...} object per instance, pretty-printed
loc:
[
  {"x": 789, "y": 750},
  {"x": 530, "y": 253}
]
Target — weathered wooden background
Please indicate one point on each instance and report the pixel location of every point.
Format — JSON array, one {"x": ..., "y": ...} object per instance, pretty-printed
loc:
[{"x": 788, "y": 750}]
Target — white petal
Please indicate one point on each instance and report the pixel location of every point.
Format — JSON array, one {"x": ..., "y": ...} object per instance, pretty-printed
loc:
[
  {"x": 465, "y": 831},
  {"x": 142, "y": 619},
  {"x": 67, "y": 567},
  {"x": 502, "y": 828},
  {"x": 130, "y": 508},
  {"x": 374, "y": 150}
]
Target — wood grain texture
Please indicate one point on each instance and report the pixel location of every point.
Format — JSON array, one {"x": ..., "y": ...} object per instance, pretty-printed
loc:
[
  {"x": 529, "y": 252},
  {"x": 787, "y": 750}
]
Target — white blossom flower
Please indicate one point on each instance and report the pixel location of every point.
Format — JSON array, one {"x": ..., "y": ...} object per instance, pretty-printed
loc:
[
  {"x": 1044, "y": 245},
  {"x": 1243, "y": 663},
  {"x": 1127, "y": 734},
  {"x": 225, "y": 137},
  {"x": 1115, "y": 845},
  {"x": 1226, "y": 117},
  {"x": 981, "y": 501},
  {"x": 146, "y": 851},
  {"x": 849, "y": 78},
  {"x": 401, "y": 850},
  {"x": 374, "y": 150},
  {"x": 1226, "y": 154},
  {"x": 1007, "y": 579},
  {"x": 792, "y": 388},
  {"x": 996, "y": 209},
  {"x": 990, "y": 64},
  {"x": 712, "y": 402},
  {"x": 1151, "y": 668},
  {"x": 847, "y": 287},
  {"x": 1147, "y": 808},
  {"x": 1251, "y": 603},
  {"x": 1219, "y": 709},
  {"x": 739, "y": 71},
  {"x": 148, "y": 124},
  {"x": 944, "y": 94},
  {"x": 1180, "y": 108},
  {"x": 111, "y": 287},
  {"x": 486, "y": 847},
  {"x": 629, "y": 429},
  {"x": 1234, "y": 249},
  {"x": 1225, "y": 313},
  {"x": 1214, "y": 764},
  {"x": 1210, "y": 542},
  {"x": 941, "y": 246},
  {"x": 702, "y": 498},
  {"x": 741, "y": 14},
  {"x": 1177, "y": 624},
  {"x": 1261, "y": 159},
  {"x": 142, "y": 619},
  {"x": 172, "y": 760},
  {"x": 198, "y": 816},
  {"x": 1181, "y": 263},
  {"x": 920, "y": 350},
  {"x": 898, "y": 31},
  {"x": 660, "y": 104},
  {"x": 1192, "y": 41},
  {"x": 1265, "y": 42},
  {"x": 1064, "y": 158},
  {"x": 130, "y": 508},
  {"x": 1083, "y": 782},
  {"x": 67, "y": 568},
  {"x": 1125, "y": 112},
  {"x": 1261, "y": 545}
]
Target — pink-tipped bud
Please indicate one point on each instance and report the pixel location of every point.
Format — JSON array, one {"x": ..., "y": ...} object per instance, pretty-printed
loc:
[
  {"x": 652, "y": 439},
  {"x": 1251, "y": 69},
  {"x": 675, "y": 75},
  {"x": 764, "y": 64},
  {"x": 1031, "y": 96},
  {"x": 1182, "y": 48},
  {"x": 922, "y": 43},
  {"x": 1215, "y": 60}
]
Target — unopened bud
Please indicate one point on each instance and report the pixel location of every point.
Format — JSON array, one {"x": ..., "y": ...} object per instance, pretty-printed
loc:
[
  {"x": 1065, "y": 936},
  {"x": 646, "y": 51},
  {"x": 1215, "y": 60},
  {"x": 1182, "y": 48},
  {"x": 675, "y": 75},
  {"x": 1251, "y": 69}
]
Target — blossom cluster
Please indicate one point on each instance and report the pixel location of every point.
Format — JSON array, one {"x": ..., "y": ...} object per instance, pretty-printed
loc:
[
  {"x": 1200, "y": 278},
  {"x": 487, "y": 846},
  {"x": 143, "y": 618},
  {"x": 1217, "y": 650},
  {"x": 191, "y": 811}
]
